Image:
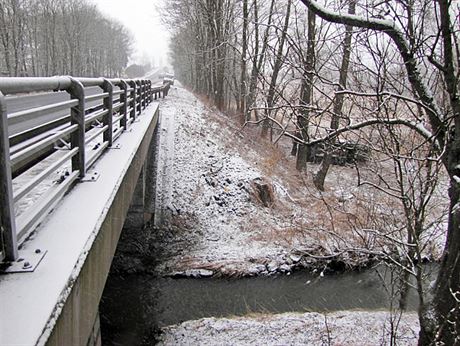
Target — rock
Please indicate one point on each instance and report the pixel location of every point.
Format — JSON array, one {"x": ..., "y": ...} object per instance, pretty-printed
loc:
[
  {"x": 262, "y": 191},
  {"x": 205, "y": 273},
  {"x": 272, "y": 266},
  {"x": 213, "y": 237},
  {"x": 295, "y": 258},
  {"x": 197, "y": 273},
  {"x": 256, "y": 269},
  {"x": 285, "y": 268},
  {"x": 178, "y": 274}
]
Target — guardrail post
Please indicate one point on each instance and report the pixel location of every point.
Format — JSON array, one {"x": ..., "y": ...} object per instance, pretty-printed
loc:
[
  {"x": 132, "y": 84},
  {"x": 150, "y": 92},
  {"x": 77, "y": 116},
  {"x": 124, "y": 101},
  {"x": 139, "y": 104},
  {"x": 144, "y": 94},
  {"x": 107, "y": 86},
  {"x": 7, "y": 221}
]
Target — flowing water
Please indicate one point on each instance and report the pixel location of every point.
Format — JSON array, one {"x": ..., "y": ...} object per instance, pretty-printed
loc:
[{"x": 134, "y": 307}]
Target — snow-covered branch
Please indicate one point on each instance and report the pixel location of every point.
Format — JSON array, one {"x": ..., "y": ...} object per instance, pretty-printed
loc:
[
  {"x": 419, "y": 128},
  {"x": 388, "y": 27},
  {"x": 385, "y": 93}
]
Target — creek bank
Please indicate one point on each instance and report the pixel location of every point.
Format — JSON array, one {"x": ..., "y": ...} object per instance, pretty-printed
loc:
[
  {"x": 229, "y": 206},
  {"x": 144, "y": 252}
]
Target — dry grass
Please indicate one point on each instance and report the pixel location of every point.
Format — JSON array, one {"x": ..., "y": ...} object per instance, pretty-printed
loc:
[
  {"x": 287, "y": 237},
  {"x": 334, "y": 219}
]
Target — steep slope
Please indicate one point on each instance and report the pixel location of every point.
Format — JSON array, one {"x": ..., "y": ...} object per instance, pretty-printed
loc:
[{"x": 230, "y": 205}]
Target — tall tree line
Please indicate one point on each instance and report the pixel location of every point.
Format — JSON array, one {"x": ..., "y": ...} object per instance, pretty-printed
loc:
[
  {"x": 60, "y": 37},
  {"x": 221, "y": 48}
]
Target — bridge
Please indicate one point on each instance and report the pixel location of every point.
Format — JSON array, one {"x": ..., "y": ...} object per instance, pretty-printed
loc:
[{"x": 76, "y": 166}]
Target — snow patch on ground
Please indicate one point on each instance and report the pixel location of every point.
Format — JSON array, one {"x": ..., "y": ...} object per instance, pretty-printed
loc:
[{"x": 339, "y": 328}]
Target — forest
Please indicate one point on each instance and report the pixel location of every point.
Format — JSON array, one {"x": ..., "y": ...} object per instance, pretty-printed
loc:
[
  {"x": 40, "y": 38},
  {"x": 377, "y": 80}
]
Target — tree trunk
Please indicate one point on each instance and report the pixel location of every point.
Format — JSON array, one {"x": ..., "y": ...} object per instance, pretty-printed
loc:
[
  {"x": 276, "y": 70},
  {"x": 259, "y": 56},
  {"x": 320, "y": 176},
  {"x": 306, "y": 96},
  {"x": 241, "y": 106}
]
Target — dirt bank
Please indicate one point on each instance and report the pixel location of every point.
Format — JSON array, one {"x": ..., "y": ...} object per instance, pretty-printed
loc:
[{"x": 229, "y": 204}]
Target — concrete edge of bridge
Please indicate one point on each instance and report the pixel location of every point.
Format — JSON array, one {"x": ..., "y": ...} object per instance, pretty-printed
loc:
[{"x": 57, "y": 304}]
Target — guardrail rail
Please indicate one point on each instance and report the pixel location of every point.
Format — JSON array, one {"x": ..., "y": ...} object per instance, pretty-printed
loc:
[{"x": 83, "y": 120}]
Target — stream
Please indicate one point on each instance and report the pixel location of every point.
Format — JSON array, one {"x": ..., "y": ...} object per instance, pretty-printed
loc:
[{"x": 134, "y": 307}]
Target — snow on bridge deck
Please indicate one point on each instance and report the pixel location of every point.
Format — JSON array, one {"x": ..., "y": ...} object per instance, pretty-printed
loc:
[{"x": 30, "y": 303}]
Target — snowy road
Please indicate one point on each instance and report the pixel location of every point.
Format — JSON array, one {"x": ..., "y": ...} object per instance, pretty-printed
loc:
[{"x": 163, "y": 200}]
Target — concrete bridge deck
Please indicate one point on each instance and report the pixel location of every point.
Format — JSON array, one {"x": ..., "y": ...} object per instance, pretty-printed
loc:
[{"x": 57, "y": 303}]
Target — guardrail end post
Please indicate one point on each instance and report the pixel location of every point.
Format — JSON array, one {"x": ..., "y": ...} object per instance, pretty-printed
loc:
[
  {"x": 8, "y": 235},
  {"x": 77, "y": 116}
]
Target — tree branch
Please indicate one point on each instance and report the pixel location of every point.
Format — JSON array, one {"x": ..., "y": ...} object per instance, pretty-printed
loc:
[
  {"x": 419, "y": 128},
  {"x": 385, "y": 93},
  {"x": 388, "y": 27}
]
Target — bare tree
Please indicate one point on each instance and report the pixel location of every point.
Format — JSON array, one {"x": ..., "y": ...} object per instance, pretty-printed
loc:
[
  {"x": 258, "y": 55},
  {"x": 320, "y": 175},
  {"x": 440, "y": 319},
  {"x": 276, "y": 70},
  {"x": 306, "y": 94},
  {"x": 49, "y": 37}
]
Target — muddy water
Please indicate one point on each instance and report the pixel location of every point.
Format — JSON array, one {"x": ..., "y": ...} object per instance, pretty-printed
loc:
[{"x": 134, "y": 307}]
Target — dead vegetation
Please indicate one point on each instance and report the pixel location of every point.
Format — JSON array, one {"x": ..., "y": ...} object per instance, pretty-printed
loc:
[
  {"x": 345, "y": 216},
  {"x": 256, "y": 215}
]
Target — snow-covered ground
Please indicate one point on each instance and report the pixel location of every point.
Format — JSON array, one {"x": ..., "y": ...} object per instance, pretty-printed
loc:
[
  {"x": 339, "y": 328},
  {"x": 205, "y": 199},
  {"x": 210, "y": 221}
]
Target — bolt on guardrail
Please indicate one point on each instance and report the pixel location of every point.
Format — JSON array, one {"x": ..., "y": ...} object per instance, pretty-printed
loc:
[{"x": 85, "y": 120}]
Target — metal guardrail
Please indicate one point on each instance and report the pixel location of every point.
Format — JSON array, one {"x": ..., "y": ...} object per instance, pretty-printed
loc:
[{"x": 68, "y": 126}]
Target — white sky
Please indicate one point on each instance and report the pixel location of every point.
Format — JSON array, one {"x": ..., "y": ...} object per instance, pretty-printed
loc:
[{"x": 143, "y": 20}]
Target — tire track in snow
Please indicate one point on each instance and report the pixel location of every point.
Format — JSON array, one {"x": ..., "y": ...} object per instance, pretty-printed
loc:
[{"x": 163, "y": 198}]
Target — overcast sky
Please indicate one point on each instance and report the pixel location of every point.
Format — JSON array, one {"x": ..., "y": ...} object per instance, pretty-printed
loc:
[{"x": 143, "y": 20}]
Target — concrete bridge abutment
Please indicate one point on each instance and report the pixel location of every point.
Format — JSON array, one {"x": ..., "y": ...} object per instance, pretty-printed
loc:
[{"x": 142, "y": 208}]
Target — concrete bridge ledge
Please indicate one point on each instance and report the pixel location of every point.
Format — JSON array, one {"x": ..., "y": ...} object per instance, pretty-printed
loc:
[{"x": 58, "y": 303}]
